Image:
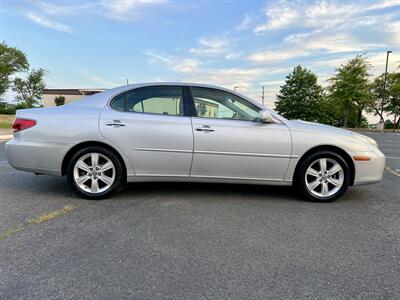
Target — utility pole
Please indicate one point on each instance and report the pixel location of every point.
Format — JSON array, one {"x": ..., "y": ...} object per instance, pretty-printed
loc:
[
  {"x": 127, "y": 81},
  {"x": 262, "y": 97},
  {"x": 384, "y": 85}
]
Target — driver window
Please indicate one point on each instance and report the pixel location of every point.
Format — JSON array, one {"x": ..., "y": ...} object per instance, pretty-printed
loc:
[{"x": 211, "y": 103}]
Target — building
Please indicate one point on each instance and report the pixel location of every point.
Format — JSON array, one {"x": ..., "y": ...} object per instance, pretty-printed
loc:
[{"x": 70, "y": 95}]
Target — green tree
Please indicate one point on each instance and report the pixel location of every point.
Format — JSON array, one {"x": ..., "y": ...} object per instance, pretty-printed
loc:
[
  {"x": 376, "y": 91},
  {"x": 393, "y": 96},
  {"x": 349, "y": 88},
  {"x": 12, "y": 61},
  {"x": 391, "y": 104},
  {"x": 2, "y": 107},
  {"x": 301, "y": 97},
  {"x": 29, "y": 90},
  {"x": 59, "y": 100}
]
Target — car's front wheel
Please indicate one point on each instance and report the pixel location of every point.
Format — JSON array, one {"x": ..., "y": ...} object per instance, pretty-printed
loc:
[
  {"x": 95, "y": 172},
  {"x": 323, "y": 176}
]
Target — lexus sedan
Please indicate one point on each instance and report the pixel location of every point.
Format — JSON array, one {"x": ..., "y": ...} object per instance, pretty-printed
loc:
[{"x": 188, "y": 133}]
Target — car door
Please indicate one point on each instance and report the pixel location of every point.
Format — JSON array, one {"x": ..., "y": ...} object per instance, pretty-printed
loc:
[
  {"x": 151, "y": 125},
  {"x": 230, "y": 143}
]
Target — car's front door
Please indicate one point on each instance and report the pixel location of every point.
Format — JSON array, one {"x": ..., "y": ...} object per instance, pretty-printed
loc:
[
  {"x": 229, "y": 142},
  {"x": 150, "y": 124}
]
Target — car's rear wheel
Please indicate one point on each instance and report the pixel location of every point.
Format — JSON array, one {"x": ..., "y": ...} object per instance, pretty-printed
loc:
[
  {"x": 323, "y": 176},
  {"x": 95, "y": 173}
]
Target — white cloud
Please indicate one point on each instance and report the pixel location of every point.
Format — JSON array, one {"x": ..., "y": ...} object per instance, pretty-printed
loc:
[
  {"x": 194, "y": 70},
  {"x": 246, "y": 23},
  {"x": 177, "y": 64},
  {"x": 279, "y": 16},
  {"x": 154, "y": 57},
  {"x": 187, "y": 65},
  {"x": 325, "y": 14},
  {"x": 394, "y": 30},
  {"x": 233, "y": 55},
  {"x": 63, "y": 8},
  {"x": 209, "y": 46},
  {"x": 384, "y": 4},
  {"x": 327, "y": 27},
  {"x": 125, "y": 10},
  {"x": 333, "y": 62},
  {"x": 272, "y": 83},
  {"x": 43, "y": 12},
  {"x": 43, "y": 21},
  {"x": 229, "y": 77},
  {"x": 332, "y": 43},
  {"x": 320, "y": 14},
  {"x": 98, "y": 80},
  {"x": 271, "y": 56}
]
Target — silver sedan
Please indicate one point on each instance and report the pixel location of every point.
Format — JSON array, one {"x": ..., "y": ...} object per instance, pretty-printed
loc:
[{"x": 187, "y": 132}]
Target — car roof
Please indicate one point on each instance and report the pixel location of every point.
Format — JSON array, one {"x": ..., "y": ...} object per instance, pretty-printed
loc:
[{"x": 137, "y": 85}]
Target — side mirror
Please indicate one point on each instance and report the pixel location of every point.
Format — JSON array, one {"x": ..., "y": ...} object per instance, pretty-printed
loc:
[{"x": 265, "y": 116}]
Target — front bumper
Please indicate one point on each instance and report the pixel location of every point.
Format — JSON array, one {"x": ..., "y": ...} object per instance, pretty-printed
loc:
[{"x": 371, "y": 171}]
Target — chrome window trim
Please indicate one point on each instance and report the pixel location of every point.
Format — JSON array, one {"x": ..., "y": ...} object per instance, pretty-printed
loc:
[
  {"x": 279, "y": 118},
  {"x": 218, "y": 152},
  {"x": 247, "y": 154}
]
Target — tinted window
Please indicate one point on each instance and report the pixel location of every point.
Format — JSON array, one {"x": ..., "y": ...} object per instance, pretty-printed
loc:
[
  {"x": 163, "y": 100},
  {"x": 118, "y": 102},
  {"x": 211, "y": 103}
]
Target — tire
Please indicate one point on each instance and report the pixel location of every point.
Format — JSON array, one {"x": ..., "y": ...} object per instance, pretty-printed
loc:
[
  {"x": 95, "y": 173},
  {"x": 322, "y": 182}
]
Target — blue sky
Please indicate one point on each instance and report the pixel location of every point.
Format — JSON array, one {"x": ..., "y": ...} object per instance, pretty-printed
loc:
[{"x": 246, "y": 44}]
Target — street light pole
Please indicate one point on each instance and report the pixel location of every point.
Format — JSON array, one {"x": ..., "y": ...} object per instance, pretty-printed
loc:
[{"x": 384, "y": 85}]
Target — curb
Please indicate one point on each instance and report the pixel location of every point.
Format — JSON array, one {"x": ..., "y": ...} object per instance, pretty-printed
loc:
[{"x": 6, "y": 137}]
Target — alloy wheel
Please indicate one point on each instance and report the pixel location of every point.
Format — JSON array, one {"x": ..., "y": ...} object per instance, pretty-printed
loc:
[
  {"x": 94, "y": 173},
  {"x": 324, "y": 177}
]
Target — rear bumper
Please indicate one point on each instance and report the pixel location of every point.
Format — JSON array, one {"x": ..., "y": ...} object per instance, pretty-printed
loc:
[
  {"x": 367, "y": 172},
  {"x": 36, "y": 157}
]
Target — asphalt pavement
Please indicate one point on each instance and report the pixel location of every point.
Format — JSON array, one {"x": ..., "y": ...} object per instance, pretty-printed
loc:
[
  {"x": 2, "y": 151},
  {"x": 199, "y": 241}
]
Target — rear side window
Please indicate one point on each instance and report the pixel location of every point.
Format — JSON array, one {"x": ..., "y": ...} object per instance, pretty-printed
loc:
[
  {"x": 118, "y": 103},
  {"x": 162, "y": 100}
]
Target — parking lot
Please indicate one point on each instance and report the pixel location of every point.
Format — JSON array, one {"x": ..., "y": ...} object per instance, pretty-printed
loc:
[{"x": 199, "y": 241}]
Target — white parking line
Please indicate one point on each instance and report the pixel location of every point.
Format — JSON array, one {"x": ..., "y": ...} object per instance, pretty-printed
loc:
[
  {"x": 392, "y": 157},
  {"x": 392, "y": 171}
]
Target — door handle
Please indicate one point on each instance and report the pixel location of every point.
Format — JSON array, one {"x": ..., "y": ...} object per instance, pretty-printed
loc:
[
  {"x": 205, "y": 128},
  {"x": 115, "y": 123}
]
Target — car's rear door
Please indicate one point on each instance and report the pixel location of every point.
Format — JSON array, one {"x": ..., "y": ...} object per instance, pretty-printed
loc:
[
  {"x": 151, "y": 125},
  {"x": 230, "y": 144}
]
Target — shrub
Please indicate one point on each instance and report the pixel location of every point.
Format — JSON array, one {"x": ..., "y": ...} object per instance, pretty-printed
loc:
[
  {"x": 388, "y": 124},
  {"x": 59, "y": 100},
  {"x": 7, "y": 109}
]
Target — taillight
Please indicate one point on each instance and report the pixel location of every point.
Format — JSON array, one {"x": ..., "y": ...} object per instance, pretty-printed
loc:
[{"x": 22, "y": 124}]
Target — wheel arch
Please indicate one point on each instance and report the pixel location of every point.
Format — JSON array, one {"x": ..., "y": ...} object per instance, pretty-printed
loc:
[
  {"x": 77, "y": 147},
  {"x": 335, "y": 149}
]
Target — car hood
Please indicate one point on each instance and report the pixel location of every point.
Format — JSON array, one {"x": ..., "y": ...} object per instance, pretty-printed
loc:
[{"x": 316, "y": 127}]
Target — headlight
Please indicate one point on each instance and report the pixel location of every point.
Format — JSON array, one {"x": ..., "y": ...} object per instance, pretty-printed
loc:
[{"x": 365, "y": 139}]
